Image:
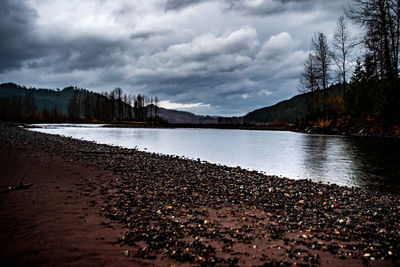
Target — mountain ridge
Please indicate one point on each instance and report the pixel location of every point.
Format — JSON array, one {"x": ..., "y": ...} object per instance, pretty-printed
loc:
[
  {"x": 289, "y": 110},
  {"x": 59, "y": 98}
]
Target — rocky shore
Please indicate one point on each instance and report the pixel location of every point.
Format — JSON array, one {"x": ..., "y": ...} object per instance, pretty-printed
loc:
[{"x": 177, "y": 211}]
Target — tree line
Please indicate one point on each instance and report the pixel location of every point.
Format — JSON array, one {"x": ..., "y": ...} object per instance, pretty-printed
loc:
[
  {"x": 80, "y": 106},
  {"x": 23, "y": 108},
  {"x": 373, "y": 88},
  {"x": 113, "y": 106}
]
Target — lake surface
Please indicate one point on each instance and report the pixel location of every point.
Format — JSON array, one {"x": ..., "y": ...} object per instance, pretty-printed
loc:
[{"x": 351, "y": 161}]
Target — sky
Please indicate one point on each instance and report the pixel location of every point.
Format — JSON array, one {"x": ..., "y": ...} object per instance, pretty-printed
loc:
[{"x": 225, "y": 57}]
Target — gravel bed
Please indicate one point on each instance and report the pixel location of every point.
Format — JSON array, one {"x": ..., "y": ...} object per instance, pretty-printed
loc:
[{"x": 207, "y": 214}]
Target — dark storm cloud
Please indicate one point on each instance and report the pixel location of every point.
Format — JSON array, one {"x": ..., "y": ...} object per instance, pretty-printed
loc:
[
  {"x": 18, "y": 42},
  {"x": 235, "y": 68},
  {"x": 220, "y": 57},
  {"x": 85, "y": 53},
  {"x": 204, "y": 62},
  {"x": 22, "y": 43}
]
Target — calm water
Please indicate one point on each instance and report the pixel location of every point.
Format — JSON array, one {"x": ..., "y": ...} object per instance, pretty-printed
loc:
[{"x": 329, "y": 159}]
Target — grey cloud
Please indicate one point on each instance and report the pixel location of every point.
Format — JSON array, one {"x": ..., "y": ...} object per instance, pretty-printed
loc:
[
  {"x": 196, "y": 67},
  {"x": 142, "y": 35},
  {"x": 268, "y": 7},
  {"x": 271, "y": 7},
  {"x": 22, "y": 44},
  {"x": 147, "y": 34},
  {"x": 179, "y": 4},
  {"x": 205, "y": 53},
  {"x": 234, "y": 60},
  {"x": 17, "y": 42},
  {"x": 281, "y": 56},
  {"x": 260, "y": 8},
  {"x": 83, "y": 54},
  {"x": 278, "y": 60}
]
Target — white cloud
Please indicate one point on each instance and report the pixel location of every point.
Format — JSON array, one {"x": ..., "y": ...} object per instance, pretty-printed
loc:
[
  {"x": 170, "y": 105},
  {"x": 282, "y": 56},
  {"x": 264, "y": 92},
  {"x": 277, "y": 46}
]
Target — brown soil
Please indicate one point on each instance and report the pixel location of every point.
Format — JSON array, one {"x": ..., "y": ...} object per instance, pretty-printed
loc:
[
  {"x": 62, "y": 219},
  {"x": 55, "y": 221}
]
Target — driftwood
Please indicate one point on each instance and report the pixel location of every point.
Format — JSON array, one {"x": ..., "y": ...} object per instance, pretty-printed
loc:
[{"x": 15, "y": 188}]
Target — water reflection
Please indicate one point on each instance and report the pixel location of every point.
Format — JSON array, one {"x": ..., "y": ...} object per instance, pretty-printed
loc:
[
  {"x": 325, "y": 158},
  {"x": 377, "y": 162},
  {"x": 329, "y": 159},
  {"x": 314, "y": 150}
]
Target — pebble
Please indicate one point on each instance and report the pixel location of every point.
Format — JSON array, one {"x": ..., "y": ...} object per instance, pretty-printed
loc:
[{"x": 169, "y": 204}]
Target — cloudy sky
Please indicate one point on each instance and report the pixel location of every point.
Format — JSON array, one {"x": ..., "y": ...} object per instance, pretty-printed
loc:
[{"x": 213, "y": 57}]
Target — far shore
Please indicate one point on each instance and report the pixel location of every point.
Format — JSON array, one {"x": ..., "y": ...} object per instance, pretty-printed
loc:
[
  {"x": 278, "y": 126},
  {"x": 274, "y": 126},
  {"x": 89, "y": 204},
  {"x": 180, "y": 125}
]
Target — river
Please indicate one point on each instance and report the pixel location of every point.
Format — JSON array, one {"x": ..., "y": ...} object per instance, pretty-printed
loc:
[{"x": 350, "y": 161}]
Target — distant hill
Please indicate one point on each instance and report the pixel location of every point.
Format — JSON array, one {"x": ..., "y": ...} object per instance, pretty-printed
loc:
[
  {"x": 176, "y": 116},
  {"x": 44, "y": 98},
  {"x": 288, "y": 110},
  {"x": 48, "y": 99}
]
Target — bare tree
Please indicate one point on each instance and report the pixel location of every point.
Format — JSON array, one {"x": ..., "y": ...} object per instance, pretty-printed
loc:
[
  {"x": 111, "y": 97},
  {"x": 309, "y": 82},
  {"x": 343, "y": 44},
  {"x": 323, "y": 63},
  {"x": 118, "y": 98},
  {"x": 156, "y": 101},
  {"x": 322, "y": 58},
  {"x": 74, "y": 106},
  {"x": 381, "y": 21},
  {"x": 29, "y": 104},
  {"x": 151, "y": 108},
  {"x": 315, "y": 76},
  {"x": 126, "y": 105},
  {"x": 309, "y": 76}
]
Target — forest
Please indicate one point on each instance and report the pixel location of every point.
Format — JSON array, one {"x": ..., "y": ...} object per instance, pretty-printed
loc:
[
  {"x": 72, "y": 104},
  {"x": 370, "y": 90}
]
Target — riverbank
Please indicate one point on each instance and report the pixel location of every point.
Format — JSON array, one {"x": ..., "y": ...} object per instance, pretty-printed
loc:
[
  {"x": 343, "y": 128},
  {"x": 54, "y": 221},
  {"x": 169, "y": 210},
  {"x": 202, "y": 126},
  {"x": 349, "y": 126}
]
